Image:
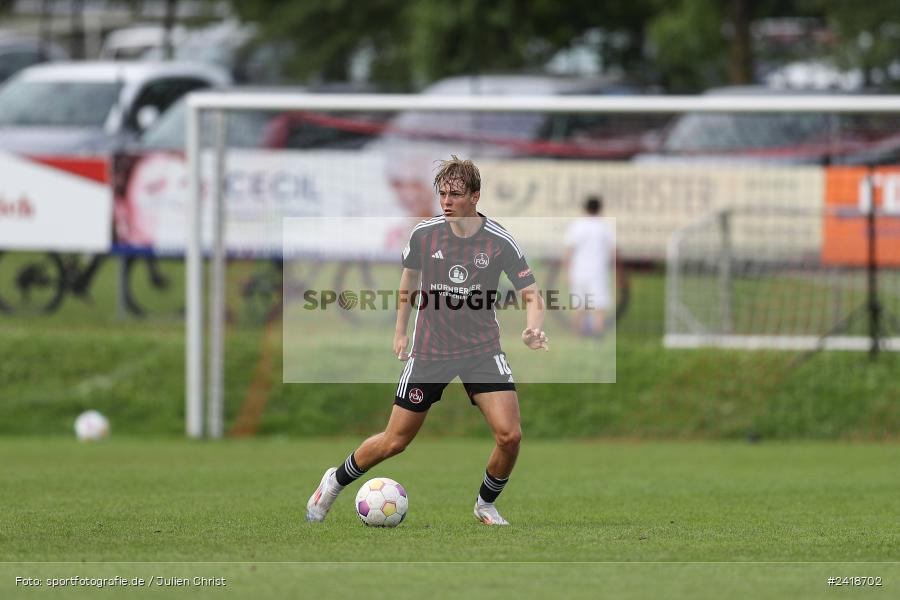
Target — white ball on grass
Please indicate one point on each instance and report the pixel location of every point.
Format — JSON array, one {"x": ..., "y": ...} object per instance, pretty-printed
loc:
[
  {"x": 381, "y": 502},
  {"x": 91, "y": 426}
]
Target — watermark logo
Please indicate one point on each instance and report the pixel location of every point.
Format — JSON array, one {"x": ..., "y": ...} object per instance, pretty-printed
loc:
[
  {"x": 458, "y": 274},
  {"x": 347, "y": 300},
  {"x": 442, "y": 296}
]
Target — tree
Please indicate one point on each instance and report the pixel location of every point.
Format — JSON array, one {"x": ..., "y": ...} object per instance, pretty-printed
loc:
[
  {"x": 328, "y": 34},
  {"x": 413, "y": 43},
  {"x": 740, "y": 65},
  {"x": 687, "y": 45},
  {"x": 683, "y": 45},
  {"x": 869, "y": 38}
]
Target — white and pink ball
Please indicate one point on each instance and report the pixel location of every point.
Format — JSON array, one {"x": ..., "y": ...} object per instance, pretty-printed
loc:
[
  {"x": 381, "y": 502},
  {"x": 91, "y": 426}
]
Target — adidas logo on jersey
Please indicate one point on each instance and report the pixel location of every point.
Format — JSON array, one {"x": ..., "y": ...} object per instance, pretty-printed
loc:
[{"x": 438, "y": 255}]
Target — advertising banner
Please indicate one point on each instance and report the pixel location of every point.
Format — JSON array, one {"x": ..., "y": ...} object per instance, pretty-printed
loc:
[
  {"x": 58, "y": 204},
  {"x": 847, "y": 197},
  {"x": 648, "y": 200},
  {"x": 261, "y": 189}
]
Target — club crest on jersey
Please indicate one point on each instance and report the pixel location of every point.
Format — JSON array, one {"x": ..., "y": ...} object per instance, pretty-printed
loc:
[
  {"x": 416, "y": 395},
  {"x": 482, "y": 260},
  {"x": 458, "y": 274}
]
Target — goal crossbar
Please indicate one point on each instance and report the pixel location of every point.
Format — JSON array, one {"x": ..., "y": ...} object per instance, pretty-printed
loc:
[{"x": 556, "y": 104}]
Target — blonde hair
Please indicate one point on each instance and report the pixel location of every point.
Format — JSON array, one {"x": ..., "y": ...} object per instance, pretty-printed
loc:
[{"x": 461, "y": 170}]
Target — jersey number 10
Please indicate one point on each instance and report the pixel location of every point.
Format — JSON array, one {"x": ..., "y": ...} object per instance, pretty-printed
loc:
[{"x": 502, "y": 365}]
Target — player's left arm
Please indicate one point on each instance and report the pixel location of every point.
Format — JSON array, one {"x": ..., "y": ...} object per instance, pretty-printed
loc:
[
  {"x": 534, "y": 336},
  {"x": 521, "y": 276}
]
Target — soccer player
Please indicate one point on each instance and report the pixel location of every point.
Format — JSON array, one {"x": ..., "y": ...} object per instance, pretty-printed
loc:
[
  {"x": 590, "y": 253},
  {"x": 453, "y": 264}
]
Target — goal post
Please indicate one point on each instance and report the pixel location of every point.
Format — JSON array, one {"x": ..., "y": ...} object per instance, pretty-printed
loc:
[{"x": 562, "y": 174}]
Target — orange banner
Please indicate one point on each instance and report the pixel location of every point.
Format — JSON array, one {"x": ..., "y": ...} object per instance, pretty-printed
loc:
[{"x": 847, "y": 198}]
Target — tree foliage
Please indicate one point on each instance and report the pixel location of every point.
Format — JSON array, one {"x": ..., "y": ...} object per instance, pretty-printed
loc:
[
  {"x": 412, "y": 43},
  {"x": 869, "y": 38},
  {"x": 687, "y": 45},
  {"x": 682, "y": 45}
]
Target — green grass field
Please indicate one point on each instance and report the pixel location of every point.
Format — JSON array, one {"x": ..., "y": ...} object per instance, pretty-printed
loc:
[
  {"x": 598, "y": 509},
  {"x": 589, "y": 519},
  {"x": 87, "y": 355}
]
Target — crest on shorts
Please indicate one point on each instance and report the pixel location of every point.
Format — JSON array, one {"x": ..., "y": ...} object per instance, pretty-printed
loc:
[
  {"x": 416, "y": 395},
  {"x": 482, "y": 260},
  {"x": 458, "y": 274}
]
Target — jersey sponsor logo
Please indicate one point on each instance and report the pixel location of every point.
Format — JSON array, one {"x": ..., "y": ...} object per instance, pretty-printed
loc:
[
  {"x": 438, "y": 255},
  {"x": 482, "y": 260},
  {"x": 458, "y": 274},
  {"x": 525, "y": 273},
  {"x": 416, "y": 395}
]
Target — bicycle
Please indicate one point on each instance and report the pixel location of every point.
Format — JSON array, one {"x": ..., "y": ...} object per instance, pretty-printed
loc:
[{"x": 37, "y": 283}]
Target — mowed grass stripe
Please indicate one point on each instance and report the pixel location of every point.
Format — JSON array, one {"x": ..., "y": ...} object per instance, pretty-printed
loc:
[{"x": 155, "y": 500}]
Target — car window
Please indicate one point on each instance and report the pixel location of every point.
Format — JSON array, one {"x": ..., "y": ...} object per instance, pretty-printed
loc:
[
  {"x": 14, "y": 61},
  {"x": 246, "y": 129},
  {"x": 57, "y": 103},
  {"x": 128, "y": 53},
  {"x": 168, "y": 132},
  {"x": 468, "y": 125},
  {"x": 712, "y": 132},
  {"x": 320, "y": 130},
  {"x": 161, "y": 94}
]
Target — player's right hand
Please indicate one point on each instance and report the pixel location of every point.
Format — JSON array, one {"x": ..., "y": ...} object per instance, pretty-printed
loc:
[
  {"x": 401, "y": 341},
  {"x": 536, "y": 339}
]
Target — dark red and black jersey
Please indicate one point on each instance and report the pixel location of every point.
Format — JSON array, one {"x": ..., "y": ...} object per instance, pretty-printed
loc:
[{"x": 455, "y": 317}]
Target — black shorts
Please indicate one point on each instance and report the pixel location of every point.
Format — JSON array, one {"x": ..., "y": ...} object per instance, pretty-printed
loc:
[{"x": 423, "y": 381}]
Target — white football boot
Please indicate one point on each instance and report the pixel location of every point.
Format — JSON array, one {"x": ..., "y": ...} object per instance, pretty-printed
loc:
[
  {"x": 487, "y": 513},
  {"x": 324, "y": 496}
]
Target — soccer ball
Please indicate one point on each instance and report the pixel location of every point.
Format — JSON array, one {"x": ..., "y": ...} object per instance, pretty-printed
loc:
[
  {"x": 91, "y": 425},
  {"x": 381, "y": 502}
]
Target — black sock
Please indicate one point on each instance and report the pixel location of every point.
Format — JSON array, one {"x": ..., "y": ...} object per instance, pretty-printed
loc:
[
  {"x": 348, "y": 472},
  {"x": 491, "y": 487}
]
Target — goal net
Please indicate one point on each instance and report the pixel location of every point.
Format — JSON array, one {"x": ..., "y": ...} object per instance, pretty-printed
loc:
[
  {"x": 783, "y": 278},
  {"x": 739, "y": 195}
]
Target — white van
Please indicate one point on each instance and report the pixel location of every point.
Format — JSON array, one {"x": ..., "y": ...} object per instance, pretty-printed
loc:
[{"x": 92, "y": 108}]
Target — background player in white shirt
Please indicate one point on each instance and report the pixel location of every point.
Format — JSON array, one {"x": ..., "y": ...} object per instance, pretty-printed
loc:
[{"x": 589, "y": 259}]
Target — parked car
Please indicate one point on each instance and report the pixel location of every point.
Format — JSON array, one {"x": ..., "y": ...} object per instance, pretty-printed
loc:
[
  {"x": 19, "y": 51},
  {"x": 229, "y": 44},
  {"x": 91, "y": 108},
  {"x": 772, "y": 137},
  {"x": 497, "y": 134},
  {"x": 265, "y": 129},
  {"x": 135, "y": 41}
]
